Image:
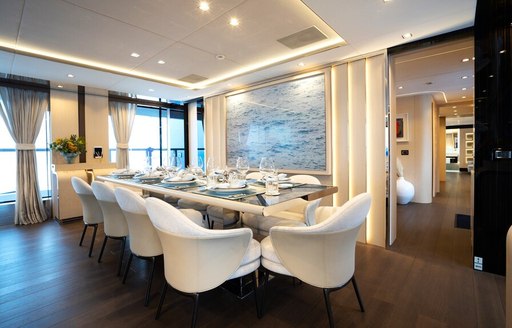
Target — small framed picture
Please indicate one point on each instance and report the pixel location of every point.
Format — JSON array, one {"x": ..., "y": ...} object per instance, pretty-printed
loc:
[
  {"x": 98, "y": 152},
  {"x": 469, "y": 152},
  {"x": 469, "y": 136},
  {"x": 402, "y": 127},
  {"x": 469, "y": 144}
]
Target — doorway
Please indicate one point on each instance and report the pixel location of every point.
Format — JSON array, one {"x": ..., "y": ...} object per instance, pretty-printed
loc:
[{"x": 431, "y": 84}]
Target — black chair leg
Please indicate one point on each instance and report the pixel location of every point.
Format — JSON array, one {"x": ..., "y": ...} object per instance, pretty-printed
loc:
[
  {"x": 127, "y": 267},
  {"x": 102, "y": 248},
  {"x": 150, "y": 281},
  {"x": 161, "y": 302},
  {"x": 196, "y": 306},
  {"x": 93, "y": 238},
  {"x": 119, "y": 266},
  {"x": 83, "y": 234},
  {"x": 263, "y": 293},
  {"x": 256, "y": 298},
  {"x": 327, "y": 291},
  {"x": 359, "y": 299}
]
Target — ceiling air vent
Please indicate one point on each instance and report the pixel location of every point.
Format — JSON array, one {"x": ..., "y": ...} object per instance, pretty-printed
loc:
[
  {"x": 303, "y": 38},
  {"x": 193, "y": 78}
]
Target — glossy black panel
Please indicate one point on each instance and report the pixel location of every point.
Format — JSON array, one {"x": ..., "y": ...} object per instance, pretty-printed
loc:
[{"x": 493, "y": 132}]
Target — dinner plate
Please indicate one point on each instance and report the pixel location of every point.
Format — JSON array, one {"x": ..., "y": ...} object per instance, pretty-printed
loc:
[
  {"x": 123, "y": 175},
  {"x": 228, "y": 190},
  {"x": 169, "y": 181},
  {"x": 148, "y": 179}
]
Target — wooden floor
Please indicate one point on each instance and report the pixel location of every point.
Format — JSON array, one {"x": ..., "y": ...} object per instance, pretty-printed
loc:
[{"x": 424, "y": 280}]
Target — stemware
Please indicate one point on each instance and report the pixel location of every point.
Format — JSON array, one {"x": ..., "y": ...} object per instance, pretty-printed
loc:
[
  {"x": 267, "y": 167},
  {"x": 242, "y": 165}
]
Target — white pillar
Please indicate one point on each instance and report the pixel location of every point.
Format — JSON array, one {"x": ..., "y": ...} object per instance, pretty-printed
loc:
[{"x": 192, "y": 133}]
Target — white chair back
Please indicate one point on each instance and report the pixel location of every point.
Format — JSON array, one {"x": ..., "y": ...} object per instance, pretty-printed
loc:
[
  {"x": 307, "y": 208},
  {"x": 143, "y": 237},
  {"x": 196, "y": 259},
  {"x": 92, "y": 213},
  {"x": 323, "y": 255},
  {"x": 114, "y": 222}
]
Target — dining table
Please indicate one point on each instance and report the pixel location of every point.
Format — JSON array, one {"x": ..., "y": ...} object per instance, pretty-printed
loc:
[{"x": 251, "y": 198}]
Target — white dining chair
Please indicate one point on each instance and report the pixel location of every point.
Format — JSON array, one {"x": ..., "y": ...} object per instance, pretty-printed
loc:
[
  {"x": 300, "y": 213},
  {"x": 143, "y": 238},
  {"x": 198, "y": 259},
  {"x": 114, "y": 225},
  {"x": 91, "y": 210},
  {"x": 322, "y": 255}
]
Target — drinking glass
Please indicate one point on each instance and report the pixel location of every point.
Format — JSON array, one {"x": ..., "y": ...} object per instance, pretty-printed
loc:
[
  {"x": 242, "y": 165},
  {"x": 267, "y": 167},
  {"x": 211, "y": 166},
  {"x": 174, "y": 164}
]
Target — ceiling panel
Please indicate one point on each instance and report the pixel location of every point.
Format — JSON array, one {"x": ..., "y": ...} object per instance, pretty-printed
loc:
[
  {"x": 255, "y": 38},
  {"x": 181, "y": 60},
  {"x": 67, "y": 29},
  {"x": 173, "y": 19},
  {"x": 11, "y": 15},
  {"x": 57, "y": 72},
  {"x": 6, "y": 59}
]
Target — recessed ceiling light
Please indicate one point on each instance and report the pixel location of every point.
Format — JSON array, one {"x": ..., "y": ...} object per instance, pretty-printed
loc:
[
  {"x": 454, "y": 106},
  {"x": 503, "y": 51},
  {"x": 301, "y": 64},
  {"x": 234, "y": 21},
  {"x": 151, "y": 90},
  {"x": 71, "y": 75},
  {"x": 387, "y": 1},
  {"x": 134, "y": 54},
  {"x": 491, "y": 75},
  {"x": 463, "y": 97},
  {"x": 464, "y": 89},
  {"x": 161, "y": 62},
  {"x": 406, "y": 35},
  {"x": 400, "y": 87},
  {"x": 220, "y": 57},
  {"x": 473, "y": 58},
  {"x": 204, "y": 6},
  {"x": 464, "y": 77},
  {"x": 464, "y": 60},
  {"x": 60, "y": 86}
]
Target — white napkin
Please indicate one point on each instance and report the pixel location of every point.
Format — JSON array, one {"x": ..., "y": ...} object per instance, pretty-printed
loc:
[
  {"x": 282, "y": 176},
  {"x": 188, "y": 177}
]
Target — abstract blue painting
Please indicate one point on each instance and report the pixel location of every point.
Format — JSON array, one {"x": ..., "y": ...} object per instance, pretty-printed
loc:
[{"x": 284, "y": 121}]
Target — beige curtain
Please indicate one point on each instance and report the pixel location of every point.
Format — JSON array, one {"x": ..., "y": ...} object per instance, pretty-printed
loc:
[
  {"x": 23, "y": 112},
  {"x": 122, "y": 116}
]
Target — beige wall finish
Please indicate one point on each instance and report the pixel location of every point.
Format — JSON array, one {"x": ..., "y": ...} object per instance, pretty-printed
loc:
[
  {"x": 441, "y": 158},
  {"x": 64, "y": 122},
  {"x": 435, "y": 152},
  {"x": 418, "y": 164}
]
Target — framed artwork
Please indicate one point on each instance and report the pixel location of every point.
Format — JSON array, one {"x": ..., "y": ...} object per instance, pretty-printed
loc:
[
  {"x": 469, "y": 136},
  {"x": 469, "y": 144},
  {"x": 469, "y": 152},
  {"x": 286, "y": 120},
  {"x": 402, "y": 127}
]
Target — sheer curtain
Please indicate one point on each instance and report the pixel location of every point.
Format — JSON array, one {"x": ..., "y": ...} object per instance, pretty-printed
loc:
[
  {"x": 122, "y": 116},
  {"x": 23, "y": 112}
]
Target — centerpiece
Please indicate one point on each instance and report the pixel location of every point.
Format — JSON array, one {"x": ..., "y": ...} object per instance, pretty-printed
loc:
[{"x": 69, "y": 148}]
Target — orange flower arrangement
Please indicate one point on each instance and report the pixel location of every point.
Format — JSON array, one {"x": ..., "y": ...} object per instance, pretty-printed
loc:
[{"x": 71, "y": 145}]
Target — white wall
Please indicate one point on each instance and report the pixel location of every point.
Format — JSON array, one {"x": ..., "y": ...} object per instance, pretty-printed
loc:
[{"x": 418, "y": 165}]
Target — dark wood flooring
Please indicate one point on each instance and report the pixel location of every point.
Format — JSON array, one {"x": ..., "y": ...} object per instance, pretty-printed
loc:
[{"x": 424, "y": 280}]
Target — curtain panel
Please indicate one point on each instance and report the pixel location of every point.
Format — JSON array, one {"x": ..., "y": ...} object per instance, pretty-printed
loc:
[
  {"x": 122, "y": 116},
  {"x": 23, "y": 112}
]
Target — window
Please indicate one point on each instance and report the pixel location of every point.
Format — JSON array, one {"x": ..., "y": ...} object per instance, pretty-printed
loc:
[
  {"x": 156, "y": 134},
  {"x": 200, "y": 140},
  {"x": 8, "y": 160}
]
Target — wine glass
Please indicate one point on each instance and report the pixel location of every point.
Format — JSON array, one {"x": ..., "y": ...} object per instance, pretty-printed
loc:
[
  {"x": 242, "y": 165},
  {"x": 267, "y": 167},
  {"x": 174, "y": 164}
]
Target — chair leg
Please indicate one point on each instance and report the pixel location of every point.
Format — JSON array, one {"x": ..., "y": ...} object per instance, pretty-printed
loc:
[
  {"x": 196, "y": 306},
  {"x": 119, "y": 266},
  {"x": 327, "y": 291},
  {"x": 93, "y": 238},
  {"x": 127, "y": 267},
  {"x": 359, "y": 299},
  {"x": 162, "y": 298},
  {"x": 102, "y": 248},
  {"x": 264, "y": 292},
  {"x": 83, "y": 234},
  {"x": 256, "y": 298},
  {"x": 150, "y": 281}
]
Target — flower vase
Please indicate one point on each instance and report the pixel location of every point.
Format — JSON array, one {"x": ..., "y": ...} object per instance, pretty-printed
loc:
[
  {"x": 69, "y": 157},
  {"x": 404, "y": 191}
]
